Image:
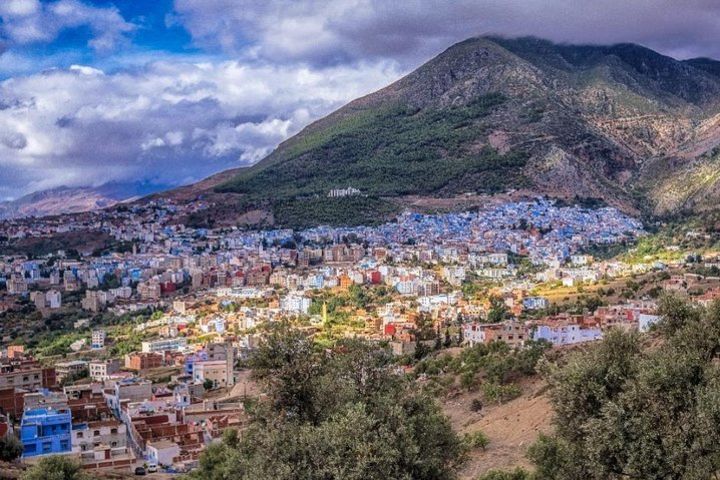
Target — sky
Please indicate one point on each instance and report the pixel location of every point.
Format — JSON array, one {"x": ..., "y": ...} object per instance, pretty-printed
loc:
[{"x": 168, "y": 92}]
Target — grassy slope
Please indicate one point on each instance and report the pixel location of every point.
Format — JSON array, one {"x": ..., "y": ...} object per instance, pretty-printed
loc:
[
  {"x": 390, "y": 151},
  {"x": 386, "y": 152}
]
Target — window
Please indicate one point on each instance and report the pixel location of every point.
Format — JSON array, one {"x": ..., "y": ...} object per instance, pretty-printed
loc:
[
  {"x": 96, "y": 433},
  {"x": 114, "y": 431},
  {"x": 79, "y": 434},
  {"x": 113, "y": 444}
]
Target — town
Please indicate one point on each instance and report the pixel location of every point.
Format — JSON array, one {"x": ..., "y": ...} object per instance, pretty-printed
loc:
[{"x": 132, "y": 353}]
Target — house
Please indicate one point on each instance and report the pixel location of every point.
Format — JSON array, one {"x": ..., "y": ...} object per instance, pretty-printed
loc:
[
  {"x": 101, "y": 370},
  {"x": 45, "y": 431},
  {"x": 25, "y": 373},
  {"x": 89, "y": 435},
  {"x": 140, "y": 361},
  {"x": 511, "y": 332},
  {"x": 645, "y": 321},
  {"x": 132, "y": 389},
  {"x": 217, "y": 371},
  {"x": 162, "y": 452},
  {"x": 71, "y": 369},
  {"x": 98, "y": 339},
  {"x": 535, "y": 303},
  {"x": 565, "y": 333},
  {"x": 164, "y": 345}
]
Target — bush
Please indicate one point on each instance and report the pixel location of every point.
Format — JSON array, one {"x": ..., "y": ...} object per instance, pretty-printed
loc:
[
  {"x": 476, "y": 440},
  {"x": 517, "y": 474},
  {"x": 476, "y": 405},
  {"x": 10, "y": 448},
  {"x": 56, "y": 467},
  {"x": 496, "y": 393}
]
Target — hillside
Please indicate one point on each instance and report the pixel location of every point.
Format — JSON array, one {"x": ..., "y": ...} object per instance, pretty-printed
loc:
[
  {"x": 61, "y": 200},
  {"x": 621, "y": 123}
]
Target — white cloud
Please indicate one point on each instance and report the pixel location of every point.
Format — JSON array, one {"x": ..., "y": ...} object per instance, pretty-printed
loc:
[
  {"x": 30, "y": 21},
  {"x": 167, "y": 122}
]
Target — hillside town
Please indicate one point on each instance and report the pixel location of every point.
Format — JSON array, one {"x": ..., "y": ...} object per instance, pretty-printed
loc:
[{"x": 134, "y": 354}]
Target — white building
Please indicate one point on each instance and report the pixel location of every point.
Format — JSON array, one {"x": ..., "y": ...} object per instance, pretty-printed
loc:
[
  {"x": 98, "y": 339},
  {"x": 53, "y": 299},
  {"x": 568, "y": 334},
  {"x": 295, "y": 304},
  {"x": 101, "y": 370},
  {"x": 343, "y": 192},
  {"x": 645, "y": 321},
  {"x": 162, "y": 452},
  {"x": 164, "y": 345}
]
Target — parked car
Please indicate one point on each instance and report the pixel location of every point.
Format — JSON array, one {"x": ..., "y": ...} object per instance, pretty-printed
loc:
[{"x": 139, "y": 470}]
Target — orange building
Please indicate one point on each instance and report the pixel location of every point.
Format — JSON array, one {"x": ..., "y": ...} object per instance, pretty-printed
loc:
[{"x": 143, "y": 361}]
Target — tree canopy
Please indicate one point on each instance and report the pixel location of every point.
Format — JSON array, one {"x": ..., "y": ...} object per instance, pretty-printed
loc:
[
  {"x": 639, "y": 407},
  {"x": 341, "y": 413}
]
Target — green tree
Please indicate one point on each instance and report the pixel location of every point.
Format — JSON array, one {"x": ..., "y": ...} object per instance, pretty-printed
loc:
[
  {"x": 338, "y": 413},
  {"x": 498, "y": 311},
  {"x": 624, "y": 411},
  {"x": 56, "y": 467}
]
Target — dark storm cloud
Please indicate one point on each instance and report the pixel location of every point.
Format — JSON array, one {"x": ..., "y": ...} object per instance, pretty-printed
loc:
[{"x": 410, "y": 31}]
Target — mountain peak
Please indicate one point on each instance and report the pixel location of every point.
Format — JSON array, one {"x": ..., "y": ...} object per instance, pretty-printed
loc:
[{"x": 494, "y": 114}]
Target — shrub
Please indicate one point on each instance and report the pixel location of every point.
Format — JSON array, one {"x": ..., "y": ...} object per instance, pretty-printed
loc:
[
  {"x": 56, "y": 467},
  {"x": 476, "y": 440},
  {"x": 496, "y": 393},
  {"x": 10, "y": 448},
  {"x": 476, "y": 405},
  {"x": 517, "y": 474}
]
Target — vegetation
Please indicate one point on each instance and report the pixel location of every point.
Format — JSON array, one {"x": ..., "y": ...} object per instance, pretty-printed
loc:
[
  {"x": 517, "y": 474},
  {"x": 476, "y": 440},
  {"x": 10, "y": 448},
  {"x": 384, "y": 152},
  {"x": 494, "y": 367},
  {"x": 337, "y": 414},
  {"x": 56, "y": 467},
  {"x": 627, "y": 411},
  {"x": 299, "y": 213}
]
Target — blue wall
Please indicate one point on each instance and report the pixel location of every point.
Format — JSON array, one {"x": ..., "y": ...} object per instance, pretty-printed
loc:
[{"x": 46, "y": 431}]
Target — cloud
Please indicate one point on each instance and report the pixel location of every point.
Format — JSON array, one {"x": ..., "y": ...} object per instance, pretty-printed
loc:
[
  {"x": 165, "y": 123},
  {"x": 257, "y": 71},
  {"x": 27, "y": 22},
  {"x": 321, "y": 32}
]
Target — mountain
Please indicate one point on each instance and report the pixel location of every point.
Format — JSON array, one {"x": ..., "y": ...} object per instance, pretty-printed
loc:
[
  {"x": 621, "y": 123},
  {"x": 61, "y": 200}
]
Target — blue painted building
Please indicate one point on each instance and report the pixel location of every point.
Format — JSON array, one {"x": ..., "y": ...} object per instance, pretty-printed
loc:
[{"x": 46, "y": 431}]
